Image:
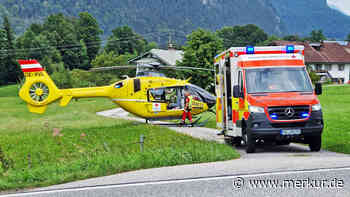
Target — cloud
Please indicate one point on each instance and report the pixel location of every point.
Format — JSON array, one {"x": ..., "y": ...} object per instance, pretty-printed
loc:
[{"x": 341, "y": 5}]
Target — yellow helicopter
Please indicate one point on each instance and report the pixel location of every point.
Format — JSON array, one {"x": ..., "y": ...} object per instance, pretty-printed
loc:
[{"x": 150, "y": 95}]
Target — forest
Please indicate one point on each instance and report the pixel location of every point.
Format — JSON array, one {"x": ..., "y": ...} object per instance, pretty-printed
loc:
[{"x": 69, "y": 46}]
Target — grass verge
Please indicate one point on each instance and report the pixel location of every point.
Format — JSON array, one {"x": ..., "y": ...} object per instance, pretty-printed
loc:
[
  {"x": 73, "y": 143},
  {"x": 335, "y": 103}
]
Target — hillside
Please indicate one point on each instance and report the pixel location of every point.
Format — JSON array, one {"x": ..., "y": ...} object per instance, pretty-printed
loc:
[
  {"x": 303, "y": 16},
  {"x": 152, "y": 18},
  {"x": 156, "y": 18}
]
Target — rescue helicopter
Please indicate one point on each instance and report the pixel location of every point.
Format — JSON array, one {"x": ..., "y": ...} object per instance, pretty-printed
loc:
[{"x": 150, "y": 95}]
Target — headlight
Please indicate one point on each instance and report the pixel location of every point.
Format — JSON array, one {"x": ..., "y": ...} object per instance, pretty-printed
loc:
[
  {"x": 316, "y": 107},
  {"x": 256, "y": 109}
]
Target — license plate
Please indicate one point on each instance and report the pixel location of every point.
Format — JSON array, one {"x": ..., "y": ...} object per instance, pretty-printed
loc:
[{"x": 290, "y": 132}]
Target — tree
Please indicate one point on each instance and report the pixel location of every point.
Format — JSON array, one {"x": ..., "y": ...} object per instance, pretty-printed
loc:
[
  {"x": 201, "y": 48},
  {"x": 61, "y": 33},
  {"x": 316, "y": 36},
  {"x": 108, "y": 59},
  {"x": 3, "y": 52},
  {"x": 89, "y": 31},
  {"x": 124, "y": 40},
  {"x": 151, "y": 45},
  {"x": 292, "y": 38},
  {"x": 240, "y": 36},
  {"x": 10, "y": 66},
  {"x": 270, "y": 40},
  {"x": 348, "y": 38}
]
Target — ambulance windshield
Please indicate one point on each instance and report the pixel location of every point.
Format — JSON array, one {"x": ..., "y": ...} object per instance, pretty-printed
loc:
[{"x": 269, "y": 80}]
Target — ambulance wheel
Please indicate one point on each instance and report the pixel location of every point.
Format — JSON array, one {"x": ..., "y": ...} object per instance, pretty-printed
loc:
[
  {"x": 315, "y": 143},
  {"x": 237, "y": 141},
  {"x": 249, "y": 141}
]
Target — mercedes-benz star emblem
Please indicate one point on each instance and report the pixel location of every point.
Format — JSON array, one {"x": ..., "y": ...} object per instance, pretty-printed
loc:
[{"x": 289, "y": 112}]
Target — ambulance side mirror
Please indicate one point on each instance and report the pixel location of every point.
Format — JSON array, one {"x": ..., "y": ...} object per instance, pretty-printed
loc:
[
  {"x": 236, "y": 92},
  {"x": 318, "y": 88}
]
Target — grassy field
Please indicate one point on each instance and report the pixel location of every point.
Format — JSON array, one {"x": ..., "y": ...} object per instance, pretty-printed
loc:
[
  {"x": 336, "y": 110},
  {"x": 72, "y": 143}
]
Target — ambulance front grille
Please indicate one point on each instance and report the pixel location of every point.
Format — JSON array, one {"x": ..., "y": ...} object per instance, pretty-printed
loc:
[{"x": 288, "y": 112}]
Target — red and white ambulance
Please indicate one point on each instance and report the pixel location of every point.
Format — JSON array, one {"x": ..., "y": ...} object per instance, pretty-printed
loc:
[{"x": 264, "y": 94}]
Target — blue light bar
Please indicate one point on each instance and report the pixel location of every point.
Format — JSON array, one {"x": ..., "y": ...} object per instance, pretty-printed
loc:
[
  {"x": 274, "y": 116},
  {"x": 250, "y": 50},
  {"x": 305, "y": 115},
  {"x": 290, "y": 49}
]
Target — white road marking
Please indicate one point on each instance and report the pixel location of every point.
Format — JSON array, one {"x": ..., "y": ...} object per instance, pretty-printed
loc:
[{"x": 176, "y": 181}]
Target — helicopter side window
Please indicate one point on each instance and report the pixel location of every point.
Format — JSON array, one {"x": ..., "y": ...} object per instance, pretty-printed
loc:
[
  {"x": 119, "y": 85},
  {"x": 157, "y": 95},
  {"x": 173, "y": 97},
  {"x": 137, "y": 85}
]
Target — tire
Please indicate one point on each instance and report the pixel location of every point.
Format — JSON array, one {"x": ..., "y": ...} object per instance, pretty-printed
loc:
[
  {"x": 237, "y": 141},
  {"x": 250, "y": 142},
  {"x": 315, "y": 143}
]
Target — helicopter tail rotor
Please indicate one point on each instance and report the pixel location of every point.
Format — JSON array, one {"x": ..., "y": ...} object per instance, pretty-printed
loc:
[{"x": 38, "y": 90}]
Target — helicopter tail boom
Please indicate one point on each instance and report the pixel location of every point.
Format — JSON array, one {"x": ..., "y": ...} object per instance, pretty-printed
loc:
[{"x": 39, "y": 89}]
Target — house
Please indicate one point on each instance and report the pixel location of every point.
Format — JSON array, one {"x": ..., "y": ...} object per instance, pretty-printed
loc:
[
  {"x": 162, "y": 57},
  {"x": 329, "y": 59}
]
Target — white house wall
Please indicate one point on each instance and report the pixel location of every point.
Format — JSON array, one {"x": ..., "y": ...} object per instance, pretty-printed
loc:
[
  {"x": 334, "y": 71},
  {"x": 347, "y": 73}
]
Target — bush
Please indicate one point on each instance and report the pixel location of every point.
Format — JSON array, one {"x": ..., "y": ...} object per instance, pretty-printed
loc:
[
  {"x": 81, "y": 78},
  {"x": 314, "y": 77},
  {"x": 61, "y": 76}
]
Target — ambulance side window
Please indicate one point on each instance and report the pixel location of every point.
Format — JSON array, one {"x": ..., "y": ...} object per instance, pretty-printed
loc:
[{"x": 240, "y": 81}]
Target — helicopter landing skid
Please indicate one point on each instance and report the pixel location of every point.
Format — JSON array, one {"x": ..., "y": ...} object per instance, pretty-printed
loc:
[{"x": 195, "y": 123}]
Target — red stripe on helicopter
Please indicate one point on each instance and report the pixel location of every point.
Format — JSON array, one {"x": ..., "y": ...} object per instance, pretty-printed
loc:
[
  {"x": 30, "y": 66},
  {"x": 25, "y": 70}
]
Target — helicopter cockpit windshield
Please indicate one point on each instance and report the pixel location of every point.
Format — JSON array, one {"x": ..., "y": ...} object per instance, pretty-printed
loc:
[{"x": 202, "y": 95}]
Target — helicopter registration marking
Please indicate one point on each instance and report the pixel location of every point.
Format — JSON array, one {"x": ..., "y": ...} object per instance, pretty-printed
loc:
[
  {"x": 156, "y": 107},
  {"x": 33, "y": 74}
]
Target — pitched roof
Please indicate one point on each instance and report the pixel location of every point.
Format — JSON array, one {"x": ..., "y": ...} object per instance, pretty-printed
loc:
[
  {"x": 325, "y": 52},
  {"x": 168, "y": 57}
]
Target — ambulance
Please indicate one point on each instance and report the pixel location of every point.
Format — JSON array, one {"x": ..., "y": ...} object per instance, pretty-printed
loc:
[{"x": 265, "y": 95}]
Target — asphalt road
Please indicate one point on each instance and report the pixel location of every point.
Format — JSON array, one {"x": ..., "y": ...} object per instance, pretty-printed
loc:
[
  {"x": 325, "y": 182},
  {"x": 277, "y": 165}
]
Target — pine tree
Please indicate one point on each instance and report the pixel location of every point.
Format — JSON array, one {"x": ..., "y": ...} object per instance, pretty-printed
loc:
[
  {"x": 10, "y": 65},
  {"x": 3, "y": 52},
  {"x": 89, "y": 31}
]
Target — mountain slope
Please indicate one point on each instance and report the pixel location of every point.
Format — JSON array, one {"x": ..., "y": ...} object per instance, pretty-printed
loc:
[
  {"x": 303, "y": 16},
  {"x": 152, "y": 18}
]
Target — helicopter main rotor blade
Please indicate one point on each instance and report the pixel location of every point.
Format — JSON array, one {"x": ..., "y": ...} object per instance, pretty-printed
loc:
[
  {"x": 112, "y": 68},
  {"x": 185, "y": 68}
]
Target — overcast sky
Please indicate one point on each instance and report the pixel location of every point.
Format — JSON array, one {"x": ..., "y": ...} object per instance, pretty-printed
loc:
[{"x": 342, "y": 5}]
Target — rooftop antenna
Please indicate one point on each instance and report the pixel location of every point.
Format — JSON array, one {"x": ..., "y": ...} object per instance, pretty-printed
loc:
[{"x": 170, "y": 43}]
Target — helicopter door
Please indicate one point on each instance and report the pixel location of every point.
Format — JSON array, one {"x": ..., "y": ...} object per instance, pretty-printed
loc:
[
  {"x": 157, "y": 98},
  {"x": 173, "y": 97}
]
